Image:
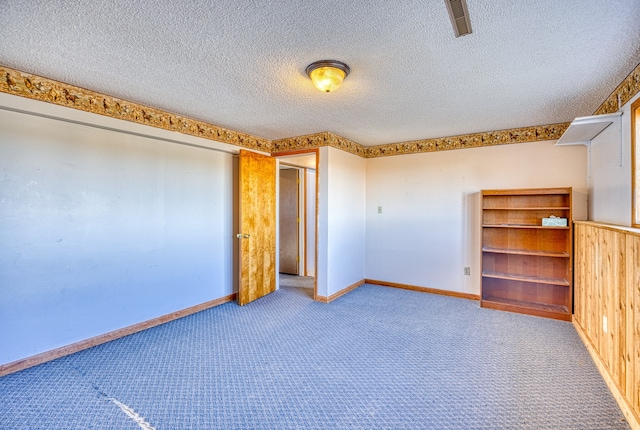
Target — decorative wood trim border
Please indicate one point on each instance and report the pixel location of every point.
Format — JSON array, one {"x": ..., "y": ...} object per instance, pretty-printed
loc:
[
  {"x": 424, "y": 289},
  {"x": 43, "y": 357},
  {"x": 50, "y": 91},
  {"x": 475, "y": 140},
  {"x": 632, "y": 418},
  {"x": 47, "y": 90},
  {"x": 318, "y": 140},
  {"x": 325, "y": 299},
  {"x": 627, "y": 89}
]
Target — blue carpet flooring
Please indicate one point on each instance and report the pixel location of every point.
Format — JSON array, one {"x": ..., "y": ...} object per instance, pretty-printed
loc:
[{"x": 376, "y": 358}]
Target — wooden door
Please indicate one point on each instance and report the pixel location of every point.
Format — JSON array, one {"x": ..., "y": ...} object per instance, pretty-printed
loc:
[
  {"x": 289, "y": 221},
  {"x": 257, "y": 185}
]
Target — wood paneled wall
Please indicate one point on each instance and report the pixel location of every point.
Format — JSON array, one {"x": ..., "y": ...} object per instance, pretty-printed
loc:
[{"x": 607, "y": 285}]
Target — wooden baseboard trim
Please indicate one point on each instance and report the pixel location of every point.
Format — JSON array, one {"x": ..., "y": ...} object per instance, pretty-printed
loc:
[
  {"x": 43, "y": 357},
  {"x": 324, "y": 299},
  {"x": 627, "y": 411},
  {"x": 424, "y": 289}
]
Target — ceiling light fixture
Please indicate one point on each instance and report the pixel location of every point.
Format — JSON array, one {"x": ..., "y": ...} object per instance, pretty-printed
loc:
[{"x": 327, "y": 75}]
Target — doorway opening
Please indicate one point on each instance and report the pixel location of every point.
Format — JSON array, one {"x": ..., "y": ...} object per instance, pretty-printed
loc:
[{"x": 297, "y": 203}]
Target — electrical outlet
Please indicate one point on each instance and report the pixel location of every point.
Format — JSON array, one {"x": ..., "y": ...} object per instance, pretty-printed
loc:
[
  {"x": 379, "y": 209},
  {"x": 604, "y": 323},
  {"x": 467, "y": 271}
]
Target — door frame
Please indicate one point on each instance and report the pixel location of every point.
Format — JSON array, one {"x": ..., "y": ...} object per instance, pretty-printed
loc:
[
  {"x": 300, "y": 214},
  {"x": 316, "y": 151}
]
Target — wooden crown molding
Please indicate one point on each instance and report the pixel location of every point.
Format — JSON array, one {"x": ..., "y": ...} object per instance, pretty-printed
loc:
[{"x": 47, "y": 90}]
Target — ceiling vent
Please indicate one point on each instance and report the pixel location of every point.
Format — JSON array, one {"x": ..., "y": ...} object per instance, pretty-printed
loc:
[{"x": 459, "y": 16}]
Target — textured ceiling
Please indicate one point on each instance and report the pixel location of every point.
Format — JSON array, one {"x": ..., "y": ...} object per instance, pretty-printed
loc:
[{"x": 240, "y": 64}]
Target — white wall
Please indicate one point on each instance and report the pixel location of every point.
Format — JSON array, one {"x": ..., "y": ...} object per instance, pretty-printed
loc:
[
  {"x": 100, "y": 230},
  {"x": 341, "y": 243},
  {"x": 610, "y": 172},
  {"x": 429, "y": 228}
]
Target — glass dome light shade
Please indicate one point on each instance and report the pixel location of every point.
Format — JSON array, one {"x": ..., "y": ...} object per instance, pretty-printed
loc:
[{"x": 327, "y": 75}]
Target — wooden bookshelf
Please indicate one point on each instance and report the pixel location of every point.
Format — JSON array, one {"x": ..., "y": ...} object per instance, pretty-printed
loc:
[{"x": 527, "y": 267}]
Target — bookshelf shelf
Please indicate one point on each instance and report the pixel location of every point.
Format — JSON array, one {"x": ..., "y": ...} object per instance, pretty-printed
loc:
[{"x": 527, "y": 267}]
